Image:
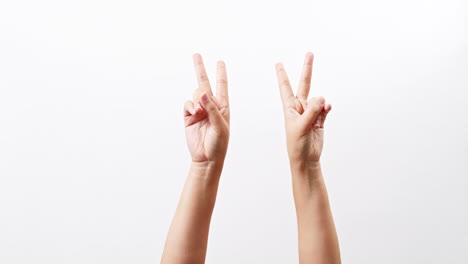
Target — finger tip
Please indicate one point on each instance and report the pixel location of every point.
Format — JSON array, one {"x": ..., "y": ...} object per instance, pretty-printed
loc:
[
  {"x": 279, "y": 65},
  {"x": 309, "y": 58},
  {"x": 196, "y": 56},
  {"x": 197, "y": 109},
  {"x": 221, "y": 63},
  {"x": 321, "y": 100}
]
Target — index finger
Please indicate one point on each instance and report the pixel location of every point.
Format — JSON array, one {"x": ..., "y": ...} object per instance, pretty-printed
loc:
[
  {"x": 202, "y": 77},
  {"x": 283, "y": 82}
]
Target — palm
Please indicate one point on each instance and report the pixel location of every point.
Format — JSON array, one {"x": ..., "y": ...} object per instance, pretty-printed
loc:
[
  {"x": 203, "y": 141},
  {"x": 197, "y": 138}
]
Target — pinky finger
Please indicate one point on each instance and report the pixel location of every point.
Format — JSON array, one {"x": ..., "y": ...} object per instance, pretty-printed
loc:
[
  {"x": 188, "y": 108},
  {"x": 319, "y": 121},
  {"x": 326, "y": 109}
]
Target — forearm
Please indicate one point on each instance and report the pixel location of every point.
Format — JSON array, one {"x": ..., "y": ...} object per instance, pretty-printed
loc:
[
  {"x": 318, "y": 242},
  {"x": 187, "y": 238}
]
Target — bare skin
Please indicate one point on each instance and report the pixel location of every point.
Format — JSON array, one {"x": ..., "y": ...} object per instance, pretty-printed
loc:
[
  {"x": 206, "y": 120},
  {"x": 304, "y": 120},
  {"x": 207, "y": 131}
]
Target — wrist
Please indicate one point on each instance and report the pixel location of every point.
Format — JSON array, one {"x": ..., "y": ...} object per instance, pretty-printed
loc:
[
  {"x": 304, "y": 164},
  {"x": 305, "y": 168},
  {"x": 302, "y": 156},
  {"x": 206, "y": 170}
]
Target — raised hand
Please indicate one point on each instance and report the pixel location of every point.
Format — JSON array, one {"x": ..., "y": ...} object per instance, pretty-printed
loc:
[
  {"x": 304, "y": 119},
  {"x": 207, "y": 116},
  {"x": 318, "y": 242},
  {"x": 207, "y": 131}
]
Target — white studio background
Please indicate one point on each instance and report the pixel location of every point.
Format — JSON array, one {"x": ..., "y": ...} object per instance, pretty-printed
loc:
[{"x": 92, "y": 146}]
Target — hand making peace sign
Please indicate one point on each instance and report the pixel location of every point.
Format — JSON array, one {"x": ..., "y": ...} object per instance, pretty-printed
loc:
[
  {"x": 304, "y": 119},
  {"x": 207, "y": 116}
]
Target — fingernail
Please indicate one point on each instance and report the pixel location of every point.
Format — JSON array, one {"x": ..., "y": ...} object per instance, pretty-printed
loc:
[
  {"x": 321, "y": 100},
  {"x": 205, "y": 98}
]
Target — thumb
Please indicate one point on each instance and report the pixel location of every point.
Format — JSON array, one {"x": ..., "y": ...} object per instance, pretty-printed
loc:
[
  {"x": 313, "y": 110},
  {"x": 211, "y": 109}
]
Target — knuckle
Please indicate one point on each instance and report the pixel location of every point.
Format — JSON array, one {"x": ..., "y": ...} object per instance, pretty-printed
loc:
[
  {"x": 291, "y": 100},
  {"x": 306, "y": 80},
  {"x": 203, "y": 78},
  {"x": 302, "y": 99},
  {"x": 285, "y": 83},
  {"x": 222, "y": 81}
]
